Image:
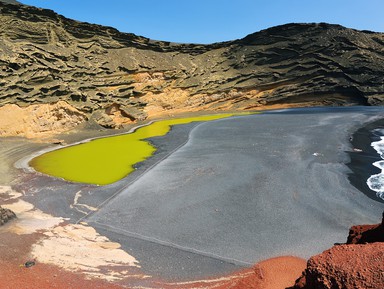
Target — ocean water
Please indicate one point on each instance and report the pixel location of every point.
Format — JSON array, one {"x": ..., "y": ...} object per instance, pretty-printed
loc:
[{"x": 376, "y": 182}]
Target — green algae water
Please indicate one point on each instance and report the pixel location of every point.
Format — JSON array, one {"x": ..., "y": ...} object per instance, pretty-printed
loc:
[{"x": 106, "y": 160}]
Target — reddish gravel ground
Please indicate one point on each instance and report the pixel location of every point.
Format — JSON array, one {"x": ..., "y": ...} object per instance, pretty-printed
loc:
[
  {"x": 276, "y": 273},
  {"x": 14, "y": 252}
]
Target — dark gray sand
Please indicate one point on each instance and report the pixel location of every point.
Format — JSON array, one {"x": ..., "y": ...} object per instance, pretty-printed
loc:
[
  {"x": 363, "y": 157},
  {"x": 249, "y": 188},
  {"x": 229, "y": 193}
]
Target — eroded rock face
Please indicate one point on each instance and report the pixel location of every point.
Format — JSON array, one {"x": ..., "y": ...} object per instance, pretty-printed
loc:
[
  {"x": 359, "y": 264},
  {"x": 45, "y": 57},
  {"x": 39, "y": 120},
  {"x": 6, "y": 215}
]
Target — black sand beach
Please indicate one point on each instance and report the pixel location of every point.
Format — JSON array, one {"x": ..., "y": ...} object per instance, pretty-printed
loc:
[
  {"x": 226, "y": 194},
  {"x": 275, "y": 183},
  {"x": 363, "y": 157}
]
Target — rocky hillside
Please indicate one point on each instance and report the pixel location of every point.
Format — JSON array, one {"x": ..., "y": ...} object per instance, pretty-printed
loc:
[
  {"x": 10, "y": 1},
  {"x": 115, "y": 78}
]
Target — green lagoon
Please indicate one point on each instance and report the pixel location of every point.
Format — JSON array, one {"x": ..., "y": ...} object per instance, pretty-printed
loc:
[{"x": 106, "y": 160}]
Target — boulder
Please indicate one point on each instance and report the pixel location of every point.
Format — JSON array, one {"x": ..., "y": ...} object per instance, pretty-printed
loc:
[{"x": 6, "y": 215}]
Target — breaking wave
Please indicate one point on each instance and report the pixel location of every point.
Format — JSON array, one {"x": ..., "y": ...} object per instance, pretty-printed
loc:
[{"x": 376, "y": 182}]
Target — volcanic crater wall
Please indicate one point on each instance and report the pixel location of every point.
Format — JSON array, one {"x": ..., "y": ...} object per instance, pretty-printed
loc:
[{"x": 116, "y": 78}]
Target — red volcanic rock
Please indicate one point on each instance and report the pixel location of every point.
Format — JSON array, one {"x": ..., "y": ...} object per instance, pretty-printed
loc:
[
  {"x": 274, "y": 273},
  {"x": 359, "y": 264},
  {"x": 362, "y": 234},
  {"x": 345, "y": 267}
]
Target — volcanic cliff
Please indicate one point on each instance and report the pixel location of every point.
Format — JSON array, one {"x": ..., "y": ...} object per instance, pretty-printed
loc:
[
  {"x": 63, "y": 69},
  {"x": 358, "y": 264}
]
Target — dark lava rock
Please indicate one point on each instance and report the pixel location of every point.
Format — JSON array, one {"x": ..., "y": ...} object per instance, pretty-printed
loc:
[{"x": 6, "y": 215}]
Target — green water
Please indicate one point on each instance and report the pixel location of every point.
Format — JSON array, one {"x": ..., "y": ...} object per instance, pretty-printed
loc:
[{"x": 107, "y": 160}]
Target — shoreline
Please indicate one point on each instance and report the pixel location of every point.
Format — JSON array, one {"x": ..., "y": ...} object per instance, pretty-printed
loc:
[
  {"x": 361, "y": 163},
  {"x": 108, "y": 160},
  {"x": 23, "y": 163}
]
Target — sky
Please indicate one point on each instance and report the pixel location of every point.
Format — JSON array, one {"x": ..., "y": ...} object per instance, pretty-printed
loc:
[{"x": 209, "y": 21}]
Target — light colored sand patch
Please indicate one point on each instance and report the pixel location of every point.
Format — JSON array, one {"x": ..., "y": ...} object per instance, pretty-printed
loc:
[
  {"x": 29, "y": 220},
  {"x": 76, "y": 204},
  {"x": 79, "y": 247},
  {"x": 72, "y": 247},
  {"x": 6, "y": 193}
]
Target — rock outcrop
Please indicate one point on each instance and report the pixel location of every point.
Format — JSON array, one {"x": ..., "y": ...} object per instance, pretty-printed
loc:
[
  {"x": 358, "y": 264},
  {"x": 363, "y": 234},
  {"x": 39, "y": 120},
  {"x": 117, "y": 78},
  {"x": 6, "y": 215},
  {"x": 345, "y": 267}
]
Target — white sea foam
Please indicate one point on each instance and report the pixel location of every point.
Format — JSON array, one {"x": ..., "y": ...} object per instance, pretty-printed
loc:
[{"x": 376, "y": 182}]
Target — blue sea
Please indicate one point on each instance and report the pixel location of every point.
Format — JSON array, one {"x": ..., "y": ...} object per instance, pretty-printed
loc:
[{"x": 376, "y": 182}]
